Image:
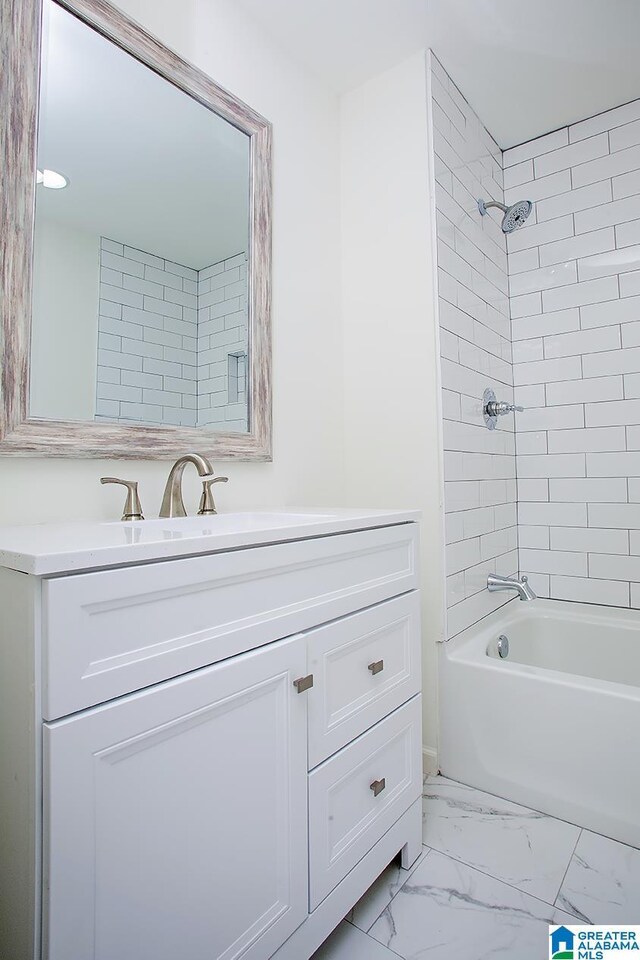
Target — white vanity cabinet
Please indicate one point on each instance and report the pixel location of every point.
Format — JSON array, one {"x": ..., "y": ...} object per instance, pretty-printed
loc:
[{"x": 208, "y": 757}]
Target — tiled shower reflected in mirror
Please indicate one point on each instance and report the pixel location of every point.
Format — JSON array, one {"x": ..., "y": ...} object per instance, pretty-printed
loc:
[{"x": 141, "y": 251}]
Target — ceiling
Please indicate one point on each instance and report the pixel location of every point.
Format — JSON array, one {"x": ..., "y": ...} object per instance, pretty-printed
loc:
[
  {"x": 526, "y": 66},
  {"x": 147, "y": 165}
]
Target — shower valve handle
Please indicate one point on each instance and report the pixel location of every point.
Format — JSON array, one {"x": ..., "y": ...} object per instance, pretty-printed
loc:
[{"x": 498, "y": 408}]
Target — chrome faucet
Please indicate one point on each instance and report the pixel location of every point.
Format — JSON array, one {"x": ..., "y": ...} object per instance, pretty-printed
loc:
[
  {"x": 496, "y": 583},
  {"x": 493, "y": 408},
  {"x": 172, "y": 502}
]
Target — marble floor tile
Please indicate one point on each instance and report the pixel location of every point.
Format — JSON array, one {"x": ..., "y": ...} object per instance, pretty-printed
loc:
[
  {"x": 448, "y": 910},
  {"x": 602, "y": 884},
  {"x": 348, "y": 943},
  {"x": 381, "y": 892},
  {"x": 526, "y": 849}
]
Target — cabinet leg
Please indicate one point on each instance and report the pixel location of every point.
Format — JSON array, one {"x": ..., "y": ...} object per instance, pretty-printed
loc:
[{"x": 413, "y": 847}]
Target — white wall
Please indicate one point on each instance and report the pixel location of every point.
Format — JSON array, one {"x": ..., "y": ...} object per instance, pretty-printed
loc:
[
  {"x": 475, "y": 351},
  {"x": 65, "y": 323},
  {"x": 308, "y": 463},
  {"x": 575, "y": 294},
  {"x": 392, "y": 445}
]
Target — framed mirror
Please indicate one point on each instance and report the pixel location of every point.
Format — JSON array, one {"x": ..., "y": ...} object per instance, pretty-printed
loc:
[{"x": 136, "y": 251}]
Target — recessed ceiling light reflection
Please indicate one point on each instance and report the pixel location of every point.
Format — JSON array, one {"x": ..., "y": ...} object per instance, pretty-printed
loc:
[{"x": 52, "y": 180}]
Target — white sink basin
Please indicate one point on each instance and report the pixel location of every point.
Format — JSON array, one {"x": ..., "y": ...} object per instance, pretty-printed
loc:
[{"x": 221, "y": 523}]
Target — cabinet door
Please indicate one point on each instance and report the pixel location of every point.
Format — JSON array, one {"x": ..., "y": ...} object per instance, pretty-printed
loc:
[{"x": 175, "y": 819}]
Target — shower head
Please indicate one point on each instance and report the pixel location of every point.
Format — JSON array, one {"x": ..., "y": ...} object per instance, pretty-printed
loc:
[{"x": 514, "y": 216}]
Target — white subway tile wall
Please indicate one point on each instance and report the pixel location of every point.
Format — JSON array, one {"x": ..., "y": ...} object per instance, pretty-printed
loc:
[
  {"x": 475, "y": 349},
  {"x": 165, "y": 332},
  {"x": 578, "y": 443},
  {"x": 222, "y": 344},
  {"x": 146, "y": 367}
]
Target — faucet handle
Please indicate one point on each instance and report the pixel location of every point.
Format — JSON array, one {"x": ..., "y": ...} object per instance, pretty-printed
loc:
[
  {"x": 132, "y": 506},
  {"x": 207, "y": 506},
  {"x": 498, "y": 408}
]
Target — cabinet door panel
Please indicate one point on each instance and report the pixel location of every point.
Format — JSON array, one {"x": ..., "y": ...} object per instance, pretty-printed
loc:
[{"x": 175, "y": 819}]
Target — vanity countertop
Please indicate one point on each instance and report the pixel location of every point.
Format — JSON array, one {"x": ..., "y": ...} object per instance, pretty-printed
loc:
[{"x": 53, "y": 548}]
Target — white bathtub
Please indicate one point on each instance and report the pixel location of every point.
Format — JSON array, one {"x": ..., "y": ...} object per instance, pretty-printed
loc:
[{"x": 556, "y": 726}]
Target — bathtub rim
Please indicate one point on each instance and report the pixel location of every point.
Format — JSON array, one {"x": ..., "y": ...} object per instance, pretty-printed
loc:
[{"x": 469, "y": 647}]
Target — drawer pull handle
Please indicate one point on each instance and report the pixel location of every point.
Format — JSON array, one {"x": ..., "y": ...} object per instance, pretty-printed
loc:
[
  {"x": 378, "y": 786},
  {"x": 304, "y": 683},
  {"x": 376, "y": 667}
]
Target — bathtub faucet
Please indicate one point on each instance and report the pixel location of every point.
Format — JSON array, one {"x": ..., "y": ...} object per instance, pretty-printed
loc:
[{"x": 521, "y": 586}]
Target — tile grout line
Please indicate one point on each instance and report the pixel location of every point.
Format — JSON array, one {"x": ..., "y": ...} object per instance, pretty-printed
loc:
[
  {"x": 564, "y": 876},
  {"x": 379, "y": 942},
  {"x": 413, "y": 870},
  {"x": 506, "y": 883},
  {"x": 366, "y": 932},
  {"x": 531, "y": 810}
]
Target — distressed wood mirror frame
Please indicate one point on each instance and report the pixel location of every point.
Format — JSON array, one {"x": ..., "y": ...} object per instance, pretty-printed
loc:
[{"x": 20, "y": 27}]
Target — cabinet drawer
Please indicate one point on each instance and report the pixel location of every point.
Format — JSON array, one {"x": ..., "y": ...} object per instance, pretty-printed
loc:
[
  {"x": 346, "y": 818},
  {"x": 116, "y": 631},
  {"x": 364, "y": 666}
]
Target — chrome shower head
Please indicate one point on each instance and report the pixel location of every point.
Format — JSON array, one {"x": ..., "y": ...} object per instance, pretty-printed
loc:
[{"x": 514, "y": 216}]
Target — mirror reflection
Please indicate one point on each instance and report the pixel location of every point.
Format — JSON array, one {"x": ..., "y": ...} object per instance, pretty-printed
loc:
[{"x": 140, "y": 310}]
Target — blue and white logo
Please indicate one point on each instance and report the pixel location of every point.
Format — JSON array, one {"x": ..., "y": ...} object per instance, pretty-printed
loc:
[
  {"x": 592, "y": 942},
  {"x": 562, "y": 944}
]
